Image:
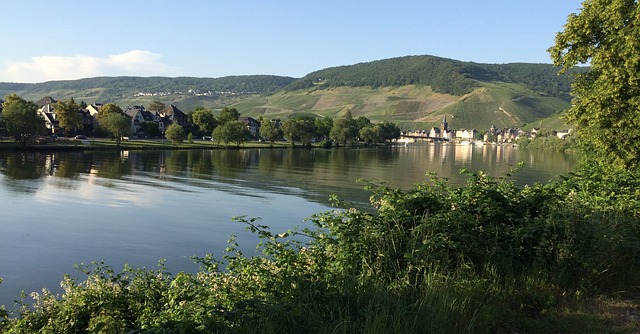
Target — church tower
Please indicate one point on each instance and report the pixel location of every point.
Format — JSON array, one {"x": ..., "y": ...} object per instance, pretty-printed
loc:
[{"x": 445, "y": 125}]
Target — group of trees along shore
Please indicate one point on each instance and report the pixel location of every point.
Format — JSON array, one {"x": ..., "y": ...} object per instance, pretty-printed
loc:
[
  {"x": 20, "y": 119},
  {"x": 303, "y": 128}
]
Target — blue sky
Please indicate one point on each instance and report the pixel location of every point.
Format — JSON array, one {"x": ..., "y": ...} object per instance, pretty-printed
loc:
[{"x": 43, "y": 40}]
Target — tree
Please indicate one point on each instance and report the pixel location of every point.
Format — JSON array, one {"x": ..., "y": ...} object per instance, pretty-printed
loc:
[
  {"x": 175, "y": 133},
  {"x": 299, "y": 127},
  {"x": 361, "y": 122},
  {"x": 269, "y": 131},
  {"x": 344, "y": 129},
  {"x": 117, "y": 124},
  {"x": 228, "y": 115},
  {"x": 21, "y": 119},
  {"x": 68, "y": 115},
  {"x": 389, "y": 131},
  {"x": 108, "y": 109},
  {"x": 156, "y": 106},
  {"x": 150, "y": 128},
  {"x": 371, "y": 134},
  {"x": 231, "y": 132},
  {"x": 323, "y": 127},
  {"x": 606, "y": 35},
  {"x": 204, "y": 119}
]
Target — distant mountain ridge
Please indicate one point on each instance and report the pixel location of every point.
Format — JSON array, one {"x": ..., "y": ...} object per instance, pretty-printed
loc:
[
  {"x": 414, "y": 91},
  {"x": 249, "y": 84}
]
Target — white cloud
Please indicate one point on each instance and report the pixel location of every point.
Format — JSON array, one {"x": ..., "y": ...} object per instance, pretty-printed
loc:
[{"x": 46, "y": 68}]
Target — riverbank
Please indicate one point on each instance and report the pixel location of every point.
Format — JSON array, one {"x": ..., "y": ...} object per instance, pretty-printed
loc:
[{"x": 70, "y": 144}]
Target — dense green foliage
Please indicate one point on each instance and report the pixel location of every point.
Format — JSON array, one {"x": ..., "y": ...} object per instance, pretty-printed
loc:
[
  {"x": 344, "y": 129},
  {"x": 435, "y": 258},
  {"x": 443, "y": 75},
  {"x": 118, "y": 125},
  {"x": 323, "y": 127},
  {"x": 175, "y": 133},
  {"x": 228, "y": 115},
  {"x": 21, "y": 119},
  {"x": 204, "y": 119},
  {"x": 299, "y": 127},
  {"x": 68, "y": 115},
  {"x": 232, "y": 131},
  {"x": 549, "y": 143},
  {"x": 607, "y": 97},
  {"x": 109, "y": 108},
  {"x": 269, "y": 131},
  {"x": 378, "y": 133}
]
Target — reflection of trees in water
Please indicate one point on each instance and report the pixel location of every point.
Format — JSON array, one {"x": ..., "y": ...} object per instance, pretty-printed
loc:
[
  {"x": 67, "y": 167},
  {"x": 71, "y": 164},
  {"x": 204, "y": 164},
  {"x": 18, "y": 167},
  {"x": 316, "y": 170},
  {"x": 64, "y": 167},
  {"x": 268, "y": 161},
  {"x": 175, "y": 162},
  {"x": 201, "y": 163},
  {"x": 24, "y": 165},
  {"x": 296, "y": 160},
  {"x": 147, "y": 161},
  {"x": 230, "y": 163},
  {"x": 113, "y": 165}
]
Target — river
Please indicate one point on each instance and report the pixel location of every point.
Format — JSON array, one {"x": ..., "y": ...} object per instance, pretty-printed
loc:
[{"x": 58, "y": 209}]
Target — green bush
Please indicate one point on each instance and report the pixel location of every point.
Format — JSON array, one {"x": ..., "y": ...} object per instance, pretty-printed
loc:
[{"x": 549, "y": 143}]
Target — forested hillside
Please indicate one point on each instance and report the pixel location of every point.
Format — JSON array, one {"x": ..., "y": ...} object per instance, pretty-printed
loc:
[
  {"x": 413, "y": 91},
  {"x": 443, "y": 75}
]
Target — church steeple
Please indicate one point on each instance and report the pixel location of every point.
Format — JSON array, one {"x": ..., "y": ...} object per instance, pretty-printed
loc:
[{"x": 445, "y": 125}]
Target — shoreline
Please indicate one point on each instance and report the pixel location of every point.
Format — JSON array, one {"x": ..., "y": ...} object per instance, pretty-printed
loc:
[{"x": 146, "y": 144}]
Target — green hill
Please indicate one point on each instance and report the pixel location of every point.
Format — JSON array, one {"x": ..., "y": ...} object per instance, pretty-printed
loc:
[
  {"x": 126, "y": 91},
  {"x": 413, "y": 91}
]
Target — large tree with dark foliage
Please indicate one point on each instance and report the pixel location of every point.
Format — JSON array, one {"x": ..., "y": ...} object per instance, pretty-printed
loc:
[{"x": 21, "y": 119}]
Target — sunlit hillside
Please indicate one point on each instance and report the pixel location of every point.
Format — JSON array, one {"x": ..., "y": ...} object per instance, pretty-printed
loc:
[{"x": 416, "y": 92}]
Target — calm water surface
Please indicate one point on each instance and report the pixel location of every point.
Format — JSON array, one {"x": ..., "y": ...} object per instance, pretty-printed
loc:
[{"x": 136, "y": 207}]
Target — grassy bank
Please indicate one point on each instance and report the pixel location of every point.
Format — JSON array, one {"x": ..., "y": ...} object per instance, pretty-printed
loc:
[
  {"x": 152, "y": 144},
  {"x": 486, "y": 257},
  {"x": 136, "y": 144}
]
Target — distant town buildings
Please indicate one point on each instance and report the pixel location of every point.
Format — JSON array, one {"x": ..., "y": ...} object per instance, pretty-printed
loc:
[{"x": 492, "y": 135}]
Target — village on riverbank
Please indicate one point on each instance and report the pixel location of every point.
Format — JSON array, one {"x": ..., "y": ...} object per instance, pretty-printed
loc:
[{"x": 147, "y": 128}]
